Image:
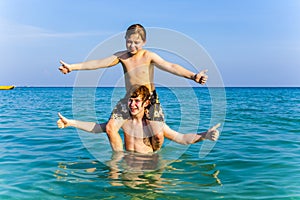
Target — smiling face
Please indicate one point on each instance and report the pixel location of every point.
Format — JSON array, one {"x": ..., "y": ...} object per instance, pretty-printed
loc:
[
  {"x": 134, "y": 43},
  {"x": 138, "y": 100},
  {"x": 136, "y": 106}
]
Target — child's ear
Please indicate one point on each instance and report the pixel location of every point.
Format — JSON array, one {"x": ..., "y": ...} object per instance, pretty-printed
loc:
[{"x": 146, "y": 103}]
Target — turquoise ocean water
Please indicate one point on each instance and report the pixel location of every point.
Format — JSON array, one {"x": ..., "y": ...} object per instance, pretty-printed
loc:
[{"x": 257, "y": 155}]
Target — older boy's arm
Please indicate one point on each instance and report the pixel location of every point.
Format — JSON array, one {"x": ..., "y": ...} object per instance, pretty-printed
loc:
[
  {"x": 180, "y": 138},
  {"x": 91, "y": 127},
  {"x": 200, "y": 77},
  {"x": 191, "y": 138},
  {"x": 89, "y": 65},
  {"x": 115, "y": 140}
]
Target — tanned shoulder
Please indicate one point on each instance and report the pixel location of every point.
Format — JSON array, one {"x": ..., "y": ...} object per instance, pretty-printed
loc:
[{"x": 149, "y": 54}]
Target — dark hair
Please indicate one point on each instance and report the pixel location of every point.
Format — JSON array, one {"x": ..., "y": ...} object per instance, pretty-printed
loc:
[
  {"x": 136, "y": 28},
  {"x": 138, "y": 90}
]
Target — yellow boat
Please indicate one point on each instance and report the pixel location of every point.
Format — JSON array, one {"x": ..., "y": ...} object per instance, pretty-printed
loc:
[{"x": 6, "y": 87}]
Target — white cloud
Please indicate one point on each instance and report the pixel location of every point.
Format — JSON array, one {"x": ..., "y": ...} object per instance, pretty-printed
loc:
[{"x": 12, "y": 30}]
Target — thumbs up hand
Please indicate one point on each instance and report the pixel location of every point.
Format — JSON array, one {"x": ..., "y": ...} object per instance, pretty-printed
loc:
[
  {"x": 65, "y": 67},
  {"x": 213, "y": 133},
  {"x": 63, "y": 122},
  {"x": 201, "y": 77}
]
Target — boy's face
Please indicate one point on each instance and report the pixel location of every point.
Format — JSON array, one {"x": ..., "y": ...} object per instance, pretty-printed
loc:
[
  {"x": 136, "y": 105},
  {"x": 134, "y": 43}
]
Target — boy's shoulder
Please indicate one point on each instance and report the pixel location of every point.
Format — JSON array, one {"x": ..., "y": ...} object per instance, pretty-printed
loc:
[
  {"x": 144, "y": 52},
  {"x": 148, "y": 52},
  {"x": 121, "y": 54}
]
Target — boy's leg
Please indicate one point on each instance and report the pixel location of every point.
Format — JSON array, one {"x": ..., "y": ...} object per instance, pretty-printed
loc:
[{"x": 156, "y": 117}]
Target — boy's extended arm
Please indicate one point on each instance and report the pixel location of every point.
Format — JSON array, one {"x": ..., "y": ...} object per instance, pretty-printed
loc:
[
  {"x": 89, "y": 65},
  {"x": 91, "y": 127},
  {"x": 178, "y": 70},
  {"x": 115, "y": 142},
  {"x": 191, "y": 138}
]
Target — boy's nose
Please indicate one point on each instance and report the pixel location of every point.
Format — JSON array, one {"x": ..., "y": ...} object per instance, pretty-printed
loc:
[{"x": 131, "y": 103}]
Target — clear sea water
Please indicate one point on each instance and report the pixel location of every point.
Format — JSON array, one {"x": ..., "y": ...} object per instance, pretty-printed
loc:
[{"x": 257, "y": 155}]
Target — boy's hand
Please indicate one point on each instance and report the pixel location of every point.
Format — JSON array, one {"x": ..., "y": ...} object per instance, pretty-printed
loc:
[
  {"x": 201, "y": 77},
  {"x": 64, "y": 68},
  {"x": 212, "y": 133},
  {"x": 62, "y": 122}
]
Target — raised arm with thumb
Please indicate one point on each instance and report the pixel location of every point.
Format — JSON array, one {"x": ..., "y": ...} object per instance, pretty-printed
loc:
[{"x": 91, "y": 127}]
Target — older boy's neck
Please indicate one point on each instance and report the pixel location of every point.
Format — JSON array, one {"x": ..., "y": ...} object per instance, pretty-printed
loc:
[
  {"x": 137, "y": 120},
  {"x": 137, "y": 117}
]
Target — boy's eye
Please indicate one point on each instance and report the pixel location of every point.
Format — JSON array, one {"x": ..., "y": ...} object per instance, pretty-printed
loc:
[
  {"x": 133, "y": 42},
  {"x": 134, "y": 101}
]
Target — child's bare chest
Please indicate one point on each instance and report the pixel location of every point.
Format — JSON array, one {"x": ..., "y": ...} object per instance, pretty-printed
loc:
[{"x": 136, "y": 63}]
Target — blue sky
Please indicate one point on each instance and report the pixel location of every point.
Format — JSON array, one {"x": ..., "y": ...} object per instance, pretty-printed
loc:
[{"x": 252, "y": 42}]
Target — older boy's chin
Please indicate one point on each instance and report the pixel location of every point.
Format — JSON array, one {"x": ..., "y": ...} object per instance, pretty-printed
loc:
[{"x": 131, "y": 112}]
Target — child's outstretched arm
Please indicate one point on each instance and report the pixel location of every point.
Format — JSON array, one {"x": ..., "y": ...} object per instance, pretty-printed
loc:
[
  {"x": 200, "y": 77},
  {"x": 89, "y": 65}
]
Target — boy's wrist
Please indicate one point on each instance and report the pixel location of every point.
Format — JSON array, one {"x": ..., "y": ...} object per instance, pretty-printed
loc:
[
  {"x": 194, "y": 77},
  {"x": 72, "y": 122},
  {"x": 71, "y": 67},
  {"x": 203, "y": 135}
]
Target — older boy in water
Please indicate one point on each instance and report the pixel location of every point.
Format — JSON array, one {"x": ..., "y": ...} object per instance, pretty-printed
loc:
[
  {"x": 137, "y": 128},
  {"x": 138, "y": 66}
]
